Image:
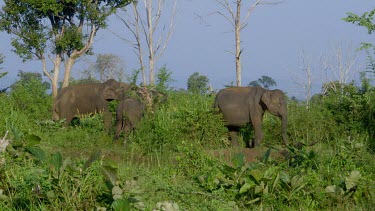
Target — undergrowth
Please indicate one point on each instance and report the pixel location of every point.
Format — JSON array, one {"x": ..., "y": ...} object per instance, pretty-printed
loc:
[{"x": 166, "y": 161}]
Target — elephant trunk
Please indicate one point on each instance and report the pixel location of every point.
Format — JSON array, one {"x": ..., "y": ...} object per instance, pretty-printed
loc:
[{"x": 284, "y": 123}]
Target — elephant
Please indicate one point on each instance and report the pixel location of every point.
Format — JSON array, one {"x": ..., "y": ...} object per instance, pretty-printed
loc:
[
  {"x": 242, "y": 105},
  {"x": 130, "y": 110},
  {"x": 129, "y": 113},
  {"x": 76, "y": 100}
]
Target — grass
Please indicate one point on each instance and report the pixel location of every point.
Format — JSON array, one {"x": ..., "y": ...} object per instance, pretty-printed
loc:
[{"x": 166, "y": 160}]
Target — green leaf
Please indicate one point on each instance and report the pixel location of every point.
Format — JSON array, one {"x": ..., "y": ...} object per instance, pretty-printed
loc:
[
  {"x": 265, "y": 157},
  {"x": 247, "y": 186},
  {"x": 256, "y": 175},
  {"x": 32, "y": 140},
  {"x": 239, "y": 160},
  {"x": 253, "y": 201},
  {"x": 93, "y": 157},
  {"x": 352, "y": 180},
  {"x": 284, "y": 177},
  {"x": 36, "y": 152},
  {"x": 57, "y": 161},
  {"x": 121, "y": 205},
  {"x": 296, "y": 181},
  {"x": 110, "y": 173}
]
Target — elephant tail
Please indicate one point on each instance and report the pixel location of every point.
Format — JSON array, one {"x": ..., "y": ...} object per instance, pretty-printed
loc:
[{"x": 216, "y": 102}]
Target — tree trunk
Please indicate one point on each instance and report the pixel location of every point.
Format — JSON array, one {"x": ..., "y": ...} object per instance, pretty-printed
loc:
[
  {"x": 68, "y": 68},
  {"x": 238, "y": 43},
  {"x": 56, "y": 72},
  {"x": 150, "y": 41}
]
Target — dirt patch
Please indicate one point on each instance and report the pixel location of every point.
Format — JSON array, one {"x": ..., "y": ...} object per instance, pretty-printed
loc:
[{"x": 251, "y": 154}]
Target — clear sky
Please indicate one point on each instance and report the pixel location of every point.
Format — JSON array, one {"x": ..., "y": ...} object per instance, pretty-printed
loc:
[{"x": 272, "y": 42}]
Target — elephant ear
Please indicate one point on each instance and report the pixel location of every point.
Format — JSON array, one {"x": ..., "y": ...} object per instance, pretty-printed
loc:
[
  {"x": 266, "y": 98},
  {"x": 109, "y": 93}
]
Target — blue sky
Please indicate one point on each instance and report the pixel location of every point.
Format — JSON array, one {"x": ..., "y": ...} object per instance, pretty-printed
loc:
[{"x": 272, "y": 42}]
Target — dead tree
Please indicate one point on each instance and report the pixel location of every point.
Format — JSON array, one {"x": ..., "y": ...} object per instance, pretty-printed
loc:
[
  {"x": 147, "y": 33},
  {"x": 233, "y": 16}
]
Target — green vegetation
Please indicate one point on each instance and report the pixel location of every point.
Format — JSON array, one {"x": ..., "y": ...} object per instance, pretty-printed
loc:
[
  {"x": 168, "y": 160},
  {"x": 62, "y": 30},
  {"x": 264, "y": 81},
  {"x": 198, "y": 83}
]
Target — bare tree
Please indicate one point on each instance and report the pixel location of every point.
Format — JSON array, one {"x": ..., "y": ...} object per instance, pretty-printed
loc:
[
  {"x": 304, "y": 79},
  {"x": 234, "y": 17},
  {"x": 146, "y": 31},
  {"x": 107, "y": 66},
  {"x": 340, "y": 66}
]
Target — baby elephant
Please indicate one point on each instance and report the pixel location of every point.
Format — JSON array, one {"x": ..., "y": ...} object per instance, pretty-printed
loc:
[{"x": 128, "y": 114}]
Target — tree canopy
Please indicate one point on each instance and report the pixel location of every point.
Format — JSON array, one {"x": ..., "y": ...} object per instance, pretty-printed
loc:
[
  {"x": 197, "y": 83},
  {"x": 365, "y": 20},
  {"x": 264, "y": 81},
  {"x": 64, "y": 29}
]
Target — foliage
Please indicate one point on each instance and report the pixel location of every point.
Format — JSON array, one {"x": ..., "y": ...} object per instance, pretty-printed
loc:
[
  {"x": 1, "y": 58},
  {"x": 3, "y": 73},
  {"x": 365, "y": 20},
  {"x": 133, "y": 78},
  {"x": 264, "y": 81},
  {"x": 292, "y": 184},
  {"x": 167, "y": 161},
  {"x": 183, "y": 117},
  {"x": 197, "y": 83},
  {"x": 163, "y": 80},
  {"x": 27, "y": 20},
  {"x": 29, "y": 94}
]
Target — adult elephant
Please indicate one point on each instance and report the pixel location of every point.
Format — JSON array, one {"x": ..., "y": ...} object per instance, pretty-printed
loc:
[
  {"x": 76, "y": 100},
  {"x": 243, "y": 105},
  {"x": 130, "y": 110}
]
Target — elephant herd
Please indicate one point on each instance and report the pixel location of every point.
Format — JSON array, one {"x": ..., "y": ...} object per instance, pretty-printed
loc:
[{"x": 238, "y": 105}]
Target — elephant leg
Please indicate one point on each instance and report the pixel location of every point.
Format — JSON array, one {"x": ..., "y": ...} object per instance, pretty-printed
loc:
[
  {"x": 233, "y": 137},
  {"x": 107, "y": 120},
  {"x": 256, "y": 121},
  {"x": 127, "y": 129},
  {"x": 68, "y": 120},
  {"x": 119, "y": 126}
]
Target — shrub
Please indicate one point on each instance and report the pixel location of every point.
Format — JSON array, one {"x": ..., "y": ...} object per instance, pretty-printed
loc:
[
  {"x": 184, "y": 117},
  {"x": 29, "y": 96}
]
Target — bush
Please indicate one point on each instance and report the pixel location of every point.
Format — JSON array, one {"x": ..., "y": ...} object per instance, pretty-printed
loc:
[
  {"x": 29, "y": 96},
  {"x": 184, "y": 117},
  {"x": 314, "y": 125}
]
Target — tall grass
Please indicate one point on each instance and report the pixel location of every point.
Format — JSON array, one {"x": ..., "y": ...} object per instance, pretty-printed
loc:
[{"x": 165, "y": 160}]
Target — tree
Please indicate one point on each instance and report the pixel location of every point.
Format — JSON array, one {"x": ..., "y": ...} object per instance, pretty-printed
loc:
[
  {"x": 238, "y": 22},
  {"x": 264, "y": 81},
  {"x": 27, "y": 78},
  {"x": 2, "y": 90},
  {"x": 341, "y": 64},
  {"x": 107, "y": 66},
  {"x": 1, "y": 61},
  {"x": 63, "y": 30},
  {"x": 147, "y": 31},
  {"x": 365, "y": 20},
  {"x": 197, "y": 83},
  {"x": 29, "y": 94},
  {"x": 163, "y": 79},
  {"x": 304, "y": 80}
]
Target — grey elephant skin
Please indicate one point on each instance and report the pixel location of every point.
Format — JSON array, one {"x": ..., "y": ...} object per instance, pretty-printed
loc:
[
  {"x": 74, "y": 101},
  {"x": 243, "y": 105},
  {"x": 130, "y": 111}
]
